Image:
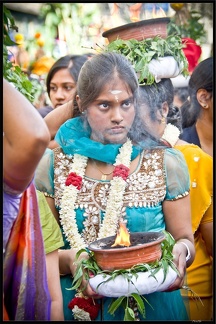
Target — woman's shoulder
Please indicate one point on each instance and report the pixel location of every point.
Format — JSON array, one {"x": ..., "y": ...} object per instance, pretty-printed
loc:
[{"x": 193, "y": 151}]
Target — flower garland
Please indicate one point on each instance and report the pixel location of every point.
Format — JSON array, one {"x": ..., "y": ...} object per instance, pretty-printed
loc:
[
  {"x": 171, "y": 134},
  {"x": 114, "y": 203},
  {"x": 85, "y": 308}
]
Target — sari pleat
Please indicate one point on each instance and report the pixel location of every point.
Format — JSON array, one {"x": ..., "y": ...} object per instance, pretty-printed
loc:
[{"x": 26, "y": 294}]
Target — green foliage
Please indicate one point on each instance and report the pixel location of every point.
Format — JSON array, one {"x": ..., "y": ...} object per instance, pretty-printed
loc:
[
  {"x": 11, "y": 73},
  {"x": 70, "y": 21},
  {"x": 140, "y": 53},
  {"x": 192, "y": 28},
  {"x": 87, "y": 266}
]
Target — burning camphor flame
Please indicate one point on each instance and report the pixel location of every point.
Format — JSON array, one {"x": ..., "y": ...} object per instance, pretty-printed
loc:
[
  {"x": 158, "y": 14},
  {"x": 123, "y": 237}
]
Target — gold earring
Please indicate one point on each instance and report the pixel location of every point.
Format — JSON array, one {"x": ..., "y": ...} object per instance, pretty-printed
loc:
[
  {"x": 163, "y": 120},
  {"x": 205, "y": 106}
]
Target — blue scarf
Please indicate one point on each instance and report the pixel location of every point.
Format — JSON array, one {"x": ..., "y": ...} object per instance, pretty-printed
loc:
[{"x": 74, "y": 138}]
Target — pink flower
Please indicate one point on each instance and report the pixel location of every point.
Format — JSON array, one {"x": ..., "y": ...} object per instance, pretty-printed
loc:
[
  {"x": 74, "y": 179},
  {"x": 121, "y": 171}
]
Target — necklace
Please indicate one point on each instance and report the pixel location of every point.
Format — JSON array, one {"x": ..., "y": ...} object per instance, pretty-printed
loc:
[
  {"x": 104, "y": 175},
  {"x": 113, "y": 213}
]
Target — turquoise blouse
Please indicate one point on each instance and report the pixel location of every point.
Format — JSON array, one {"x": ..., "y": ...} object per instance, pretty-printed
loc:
[{"x": 161, "y": 174}]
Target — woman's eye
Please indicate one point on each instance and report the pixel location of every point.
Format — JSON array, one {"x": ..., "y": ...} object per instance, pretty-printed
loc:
[
  {"x": 68, "y": 88},
  {"x": 127, "y": 103},
  {"x": 53, "y": 88},
  {"x": 103, "y": 105}
]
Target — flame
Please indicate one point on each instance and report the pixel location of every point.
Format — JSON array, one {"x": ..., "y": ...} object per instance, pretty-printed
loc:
[
  {"x": 135, "y": 12},
  {"x": 123, "y": 237},
  {"x": 158, "y": 14}
]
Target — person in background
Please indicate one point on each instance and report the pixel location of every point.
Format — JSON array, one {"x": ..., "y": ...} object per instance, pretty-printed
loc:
[
  {"x": 180, "y": 84},
  {"x": 157, "y": 109},
  {"x": 180, "y": 96},
  {"x": 197, "y": 112},
  {"x": 25, "y": 138},
  {"x": 61, "y": 82},
  {"x": 107, "y": 91},
  {"x": 53, "y": 240}
]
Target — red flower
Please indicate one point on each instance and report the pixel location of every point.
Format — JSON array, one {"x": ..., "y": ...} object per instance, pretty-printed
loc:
[
  {"x": 87, "y": 304},
  {"x": 121, "y": 171},
  {"x": 74, "y": 179},
  {"x": 192, "y": 51}
]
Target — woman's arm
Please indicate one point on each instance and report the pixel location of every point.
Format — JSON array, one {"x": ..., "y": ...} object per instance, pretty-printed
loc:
[
  {"x": 178, "y": 223},
  {"x": 207, "y": 235},
  {"x": 206, "y": 229},
  {"x": 58, "y": 116},
  {"x": 25, "y": 139},
  {"x": 52, "y": 266}
]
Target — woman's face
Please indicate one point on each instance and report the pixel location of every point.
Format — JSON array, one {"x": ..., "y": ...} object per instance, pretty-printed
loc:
[
  {"x": 111, "y": 114},
  {"x": 62, "y": 88}
]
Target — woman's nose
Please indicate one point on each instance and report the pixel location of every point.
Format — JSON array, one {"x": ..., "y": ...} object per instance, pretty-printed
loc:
[
  {"x": 116, "y": 115},
  {"x": 59, "y": 93}
]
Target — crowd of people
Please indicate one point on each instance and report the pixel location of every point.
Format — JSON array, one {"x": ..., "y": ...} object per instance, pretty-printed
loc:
[{"x": 108, "y": 150}]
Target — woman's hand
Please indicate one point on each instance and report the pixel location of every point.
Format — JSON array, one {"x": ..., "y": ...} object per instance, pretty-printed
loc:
[
  {"x": 88, "y": 291},
  {"x": 179, "y": 252},
  {"x": 68, "y": 266}
]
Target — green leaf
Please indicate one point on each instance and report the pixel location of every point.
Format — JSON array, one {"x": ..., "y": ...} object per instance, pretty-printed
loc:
[
  {"x": 129, "y": 314},
  {"x": 140, "y": 53},
  {"x": 115, "y": 304},
  {"x": 140, "y": 303}
]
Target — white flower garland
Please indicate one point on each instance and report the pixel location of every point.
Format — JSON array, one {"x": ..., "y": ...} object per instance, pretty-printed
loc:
[
  {"x": 171, "y": 134},
  {"x": 114, "y": 202}
]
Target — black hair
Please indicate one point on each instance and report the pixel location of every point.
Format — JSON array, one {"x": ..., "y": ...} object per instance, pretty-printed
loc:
[
  {"x": 182, "y": 93},
  {"x": 153, "y": 96},
  {"x": 99, "y": 71},
  {"x": 71, "y": 62},
  {"x": 201, "y": 78}
]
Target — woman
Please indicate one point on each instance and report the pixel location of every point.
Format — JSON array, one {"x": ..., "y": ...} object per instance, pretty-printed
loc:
[
  {"x": 156, "y": 107},
  {"x": 53, "y": 240},
  {"x": 197, "y": 113},
  {"x": 89, "y": 146},
  {"x": 25, "y": 138},
  {"x": 61, "y": 82}
]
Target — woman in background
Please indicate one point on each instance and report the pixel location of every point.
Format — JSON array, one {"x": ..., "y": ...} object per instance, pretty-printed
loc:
[
  {"x": 61, "y": 82},
  {"x": 197, "y": 112},
  {"x": 156, "y": 109},
  {"x": 25, "y": 138}
]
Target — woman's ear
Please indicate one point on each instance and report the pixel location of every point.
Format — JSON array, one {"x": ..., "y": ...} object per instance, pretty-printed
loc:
[
  {"x": 78, "y": 103},
  {"x": 203, "y": 98},
  {"x": 165, "y": 109}
]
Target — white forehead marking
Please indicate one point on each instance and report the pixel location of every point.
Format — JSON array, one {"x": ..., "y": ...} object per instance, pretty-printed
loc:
[{"x": 115, "y": 91}]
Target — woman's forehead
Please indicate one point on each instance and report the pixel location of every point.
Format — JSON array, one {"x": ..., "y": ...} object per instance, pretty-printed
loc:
[{"x": 116, "y": 86}]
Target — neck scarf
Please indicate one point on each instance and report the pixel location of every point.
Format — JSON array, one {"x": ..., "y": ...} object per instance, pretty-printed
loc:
[{"x": 74, "y": 138}]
